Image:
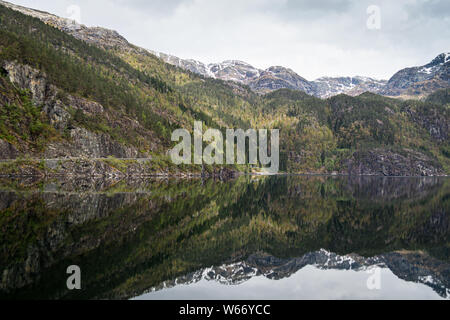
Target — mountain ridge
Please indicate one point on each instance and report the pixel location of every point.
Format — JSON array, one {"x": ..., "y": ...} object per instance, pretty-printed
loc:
[
  {"x": 404, "y": 82},
  {"x": 275, "y": 77}
]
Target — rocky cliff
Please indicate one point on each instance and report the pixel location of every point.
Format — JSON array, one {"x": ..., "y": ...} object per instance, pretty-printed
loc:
[
  {"x": 60, "y": 110},
  {"x": 386, "y": 162}
]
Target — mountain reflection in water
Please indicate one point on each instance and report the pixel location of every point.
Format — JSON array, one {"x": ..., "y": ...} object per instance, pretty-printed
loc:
[{"x": 290, "y": 237}]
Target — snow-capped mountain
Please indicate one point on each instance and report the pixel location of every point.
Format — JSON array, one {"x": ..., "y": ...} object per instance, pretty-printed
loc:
[
  {"x": 234, "y": 70},
  {"x": 275, "y": 77},
  {"x": 327, "y": 87},
  {"x": 421, "y": 80},
  {"x": 186, "y": 64},
  {"x": 230, "y": 70},
  {"x": 415, "y": 81}
]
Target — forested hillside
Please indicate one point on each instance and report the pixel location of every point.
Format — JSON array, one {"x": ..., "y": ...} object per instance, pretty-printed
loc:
[{"x": 61, "y": 96}]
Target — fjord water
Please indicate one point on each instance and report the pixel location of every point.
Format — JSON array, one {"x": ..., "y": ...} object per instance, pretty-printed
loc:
[{"x": 280, "y": 237}]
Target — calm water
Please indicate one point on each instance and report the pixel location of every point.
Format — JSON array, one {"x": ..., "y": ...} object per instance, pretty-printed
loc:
[{"x": 288, "y": 237}]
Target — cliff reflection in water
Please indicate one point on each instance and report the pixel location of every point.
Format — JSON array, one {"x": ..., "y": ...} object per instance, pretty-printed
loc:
[{"x": 134, "y": 237}]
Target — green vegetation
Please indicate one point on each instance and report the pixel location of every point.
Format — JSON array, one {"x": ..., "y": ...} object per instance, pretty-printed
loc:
[
  {"x": 23, "y": 121},
  {"x": 145, "y": 99},
  {"x": 440, "y": 97},
  {"x": 170, "y": 228}
]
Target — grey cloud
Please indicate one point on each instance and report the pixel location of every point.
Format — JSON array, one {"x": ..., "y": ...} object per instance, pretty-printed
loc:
[
  {"x": 432, "y": 9},
  {"x": 155, "y": 7},
  {"x": 323, "y": 6},
  {"x": 292, "y": 10}
]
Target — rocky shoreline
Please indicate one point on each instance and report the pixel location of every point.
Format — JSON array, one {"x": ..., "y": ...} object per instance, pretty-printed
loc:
[
  {"x": 113, "y": 168},
  {"x": 384, "y": 162},
  {"x": 106, "y": 168}
]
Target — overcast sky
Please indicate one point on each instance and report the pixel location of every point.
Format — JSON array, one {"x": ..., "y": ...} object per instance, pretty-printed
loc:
[{"x": 314, "y": 38}]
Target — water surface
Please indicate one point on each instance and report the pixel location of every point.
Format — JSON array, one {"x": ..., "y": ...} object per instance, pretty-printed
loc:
[{"x": 287, "y": 237}]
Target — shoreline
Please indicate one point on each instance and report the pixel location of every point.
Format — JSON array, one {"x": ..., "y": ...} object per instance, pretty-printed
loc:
[{"x": 118, "y": 169}]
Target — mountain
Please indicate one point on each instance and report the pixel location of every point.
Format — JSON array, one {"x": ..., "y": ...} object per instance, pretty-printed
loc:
[
  {"x": 234, "y": 70},
  {"x": 261, "y": 81},
  {"x": 72, "y": 91},
  {"x": 411, "y": 82},
  {"x": 327, "y": 86},
  {"x": 276, "y": 77},
  {"x": 186, "y": 64},
  {"x": 420, "y": 81}
]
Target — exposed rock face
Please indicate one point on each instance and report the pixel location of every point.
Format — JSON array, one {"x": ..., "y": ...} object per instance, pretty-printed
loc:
[
  {"x": 275, "y": 78},
  {"x": 79, "y": 167},
  {"x": 89, "y": 144},
  {"x": 436, "y": 125},
  {"x": 98, "y": 36},
  {"x": 107, "y": 168},
  {"x": 31, "y": 79},
  {"x": 43, "y": 93},
  {"x": 389, "y": 163},
  {"x": 420, "y": 80},
  {"x": 327, "y": 87},
  {"x": 234, "y": 70},
  {"x": 82, "y": 142},
  {"x": 7, "y": 150},
  {"x": 191, "y": 65}
]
